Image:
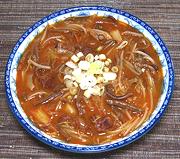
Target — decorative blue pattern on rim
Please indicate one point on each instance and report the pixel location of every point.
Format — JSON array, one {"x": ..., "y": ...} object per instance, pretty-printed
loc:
[{"x": 83, "y": 11}]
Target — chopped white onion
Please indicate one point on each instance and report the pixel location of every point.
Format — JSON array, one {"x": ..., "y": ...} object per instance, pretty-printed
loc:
[
  {"x": 109, "y": 76},
  {"x": 110, "y": 61},
  {"x": 100, "y": 79},
  {"x": 68, "y": 83},
  {"x": 89, "y": 74},
  {"x": 75, "y": 84},
  {"x": 88, "y": 81},
  {"x": 96, "y": 90},
  {"x": 74, "y": 58},
  {"x": 107, "y": 63},
  {"x": 68, "y": 77},
  {"x": 76, "y": 72},
  {"x": 96, "y": 57},
  {"x": 87, "y": 93},
  {"x": 106, "y": 69},
  {"x": 89, "y": 58},
  {"x": 80, "y": 54},
  {"x": 102, "y": 57},
  {"x": 71, "y": 64},
  {"x": 84, "y": 65}
]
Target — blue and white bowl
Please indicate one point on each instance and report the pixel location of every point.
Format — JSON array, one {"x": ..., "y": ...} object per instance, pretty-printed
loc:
[{"x": 28, "y": 36}]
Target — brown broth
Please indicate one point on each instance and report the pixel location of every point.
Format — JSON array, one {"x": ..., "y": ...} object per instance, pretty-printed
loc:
[{"x": 96, "y": 121}]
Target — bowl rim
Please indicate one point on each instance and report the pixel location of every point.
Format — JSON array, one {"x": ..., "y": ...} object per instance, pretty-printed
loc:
[{"x": 87, "y": 148}]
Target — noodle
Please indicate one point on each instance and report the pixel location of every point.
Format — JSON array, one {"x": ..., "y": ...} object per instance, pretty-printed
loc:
[
  {"x": 132, "y": 33},
  {"x": 44, "y": 34},
  {"x": 38, "y": 65},
  {"x": 146, "y": 56},
  {"x": 96, "y": 32},
  {"x": 35, "y": 94},
  {"x": 51, "y": 38},
  {"x": 131, "y": 67},
  {"x": 122, "y": 45},
  {"x": 131, "y": 126}
]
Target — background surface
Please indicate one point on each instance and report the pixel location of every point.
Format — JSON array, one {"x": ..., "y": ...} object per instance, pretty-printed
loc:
[{"x": 163, "y": 141}]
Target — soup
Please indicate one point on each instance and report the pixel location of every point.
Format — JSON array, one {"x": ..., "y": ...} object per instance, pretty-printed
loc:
[{"x": 89, "y": 80}]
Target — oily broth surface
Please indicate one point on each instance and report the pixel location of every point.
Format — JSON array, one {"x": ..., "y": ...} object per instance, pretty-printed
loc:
[{"x": 100, "y": 122}]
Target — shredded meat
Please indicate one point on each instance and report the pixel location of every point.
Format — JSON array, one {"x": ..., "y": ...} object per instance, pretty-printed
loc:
[
  {"x": 80, "y": 103},
  {"x": 47, "y": 79},
  {"x": 104, "y": 123}
]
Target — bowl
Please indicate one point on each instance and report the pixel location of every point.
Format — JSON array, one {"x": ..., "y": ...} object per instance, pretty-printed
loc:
[{"x": 28, "y": 36}]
